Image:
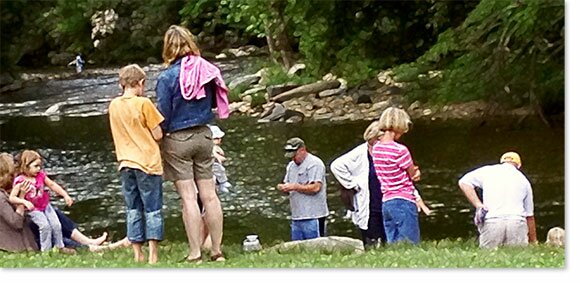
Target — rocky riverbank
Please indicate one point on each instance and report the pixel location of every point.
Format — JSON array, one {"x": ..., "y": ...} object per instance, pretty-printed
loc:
[{"x": 330, "y": 98}]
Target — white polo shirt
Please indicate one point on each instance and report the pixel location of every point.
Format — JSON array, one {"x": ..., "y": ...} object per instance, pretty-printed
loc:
[{"x": 507, "y": 193}]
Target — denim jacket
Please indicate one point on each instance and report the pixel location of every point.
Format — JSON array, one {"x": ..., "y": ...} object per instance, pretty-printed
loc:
[{"x": 180, "y": 113}]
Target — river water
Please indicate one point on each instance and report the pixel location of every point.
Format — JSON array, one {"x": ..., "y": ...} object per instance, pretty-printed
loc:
[{"x": 79, "y": 155}]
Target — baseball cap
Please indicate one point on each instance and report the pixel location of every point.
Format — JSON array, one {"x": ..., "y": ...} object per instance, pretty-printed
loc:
[
  {"x": 216, "y": 132},
  {"x": 292, "y": 145},
  {"x": 511, "y": 156}
]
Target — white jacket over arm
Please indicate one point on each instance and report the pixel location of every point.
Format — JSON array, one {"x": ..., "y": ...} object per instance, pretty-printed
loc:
[{"x": 352, "y": 172}]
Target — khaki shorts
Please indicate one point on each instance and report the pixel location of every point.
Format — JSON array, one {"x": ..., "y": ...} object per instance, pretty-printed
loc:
[
  {"x": 187, "y": 154},
  {"x": 504, "y": 232}
]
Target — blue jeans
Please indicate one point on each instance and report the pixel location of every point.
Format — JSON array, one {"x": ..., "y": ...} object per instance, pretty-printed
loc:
[
  {"x": 305, "y": 229},
  {"x": 144, "y": 198},
  {"x": 401, "y": 221}
]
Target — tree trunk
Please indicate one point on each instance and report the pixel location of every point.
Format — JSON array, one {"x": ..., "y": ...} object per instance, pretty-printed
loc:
[
  {"x": 277, "y": 35},
  {"x": 271, "y": 43},
  {"x": 534, "y": 101},
  {"x": 306, "y": 89}
]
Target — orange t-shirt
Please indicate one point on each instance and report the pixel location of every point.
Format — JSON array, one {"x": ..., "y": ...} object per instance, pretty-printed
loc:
[{"x": 132, "y": 118}]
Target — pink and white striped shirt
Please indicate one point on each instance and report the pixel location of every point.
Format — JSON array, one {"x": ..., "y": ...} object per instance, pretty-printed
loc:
[{"x": 391, "y": 161}]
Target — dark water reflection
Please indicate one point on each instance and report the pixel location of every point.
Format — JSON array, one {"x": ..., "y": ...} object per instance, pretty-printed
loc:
[{"x": 79, "y": 155}]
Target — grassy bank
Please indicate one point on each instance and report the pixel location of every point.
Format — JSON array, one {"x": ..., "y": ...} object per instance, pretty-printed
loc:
[{"x": 429, "y": 254}]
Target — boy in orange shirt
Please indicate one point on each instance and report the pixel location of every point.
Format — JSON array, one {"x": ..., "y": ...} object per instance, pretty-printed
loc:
[{"x": 135, "y": 128}]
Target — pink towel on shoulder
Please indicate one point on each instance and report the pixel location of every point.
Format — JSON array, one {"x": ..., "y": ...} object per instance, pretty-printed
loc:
[{"x": 195, "y": 72}]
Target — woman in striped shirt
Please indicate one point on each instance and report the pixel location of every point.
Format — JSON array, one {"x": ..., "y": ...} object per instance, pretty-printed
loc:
[{"x": 396, "y": 172}]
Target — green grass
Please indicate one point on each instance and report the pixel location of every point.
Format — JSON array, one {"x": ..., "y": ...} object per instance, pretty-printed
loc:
[{"x": 429, "y": 254}]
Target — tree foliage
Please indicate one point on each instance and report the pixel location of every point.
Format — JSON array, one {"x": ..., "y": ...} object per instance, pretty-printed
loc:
[
  {"x": 349, "y": 38},
  {"x": 353, "y": 39},
  {"x": 510, "y": 51},
  {"x": 507, "y": 51}
]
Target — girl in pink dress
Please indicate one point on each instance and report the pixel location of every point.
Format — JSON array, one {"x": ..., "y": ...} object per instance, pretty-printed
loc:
[{"x": 36, "y": 199}]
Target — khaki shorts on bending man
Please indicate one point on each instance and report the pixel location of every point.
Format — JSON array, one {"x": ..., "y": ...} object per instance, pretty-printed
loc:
[{"x": 506, "y": 215}]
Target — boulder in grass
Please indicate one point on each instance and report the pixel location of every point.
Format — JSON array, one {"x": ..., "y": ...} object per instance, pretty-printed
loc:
[{"x": 329, "y": 244}]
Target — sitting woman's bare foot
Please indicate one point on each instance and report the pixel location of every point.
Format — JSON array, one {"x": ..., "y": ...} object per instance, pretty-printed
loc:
[{"x": 98, "y": 241}]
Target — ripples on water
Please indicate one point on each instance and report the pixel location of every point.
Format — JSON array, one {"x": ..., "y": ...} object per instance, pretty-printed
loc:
[{"x": 79, "y": 155}]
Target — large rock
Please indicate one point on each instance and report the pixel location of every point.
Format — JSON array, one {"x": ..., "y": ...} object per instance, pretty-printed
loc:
[
  {"x": 415, "y": 105},
  {"x": 294, "y": 69},
  {"x": 273, "y": 113},
  {"x": 380, "y": 106},
  {"x": 385, "y": 76},
  {"x": 6, "y": 79},
  {"x": 247, "y": 80},
  {"x": 363, "y": 96},
  {"x": 242, "y": 51},
  {"x": 253, "y": 91},
  {"x": 329, "y": 244},
  {"x": 16, "y": 85},
  {"x": 390, "y": 90},
  {"x": 293, "y": 116},
  {"x": 55, "y": 109},
  {"x": 235, "y": 106}
]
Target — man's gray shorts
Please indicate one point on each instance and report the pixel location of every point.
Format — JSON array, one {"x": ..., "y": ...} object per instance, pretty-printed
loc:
[{"x": 503, "y": 232}]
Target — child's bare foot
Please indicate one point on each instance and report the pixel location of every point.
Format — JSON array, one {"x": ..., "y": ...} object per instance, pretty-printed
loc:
[
  {"x": 152, "y": 259},
  {"x": 98, "y": 241},
  {"x": 139, "y": 258}
]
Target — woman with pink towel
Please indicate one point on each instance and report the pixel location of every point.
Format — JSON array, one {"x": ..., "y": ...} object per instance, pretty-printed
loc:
[{"x": 186, "y": 93}]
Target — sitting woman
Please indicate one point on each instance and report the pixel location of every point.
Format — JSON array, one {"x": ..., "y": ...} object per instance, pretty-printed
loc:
[{"x": 17, "y": 233}]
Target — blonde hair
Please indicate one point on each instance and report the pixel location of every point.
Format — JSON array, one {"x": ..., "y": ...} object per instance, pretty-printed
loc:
[
  {"x": 556, "y": 237},
  {"x": 131, "y": 75},
  {"x": 178, "y": 42},
  {"x": 26, "y": 158},
  {"x": 372, "y": 132},
  {"x": 6, "y": 171},
  {"x": 395, "y": 119}
]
